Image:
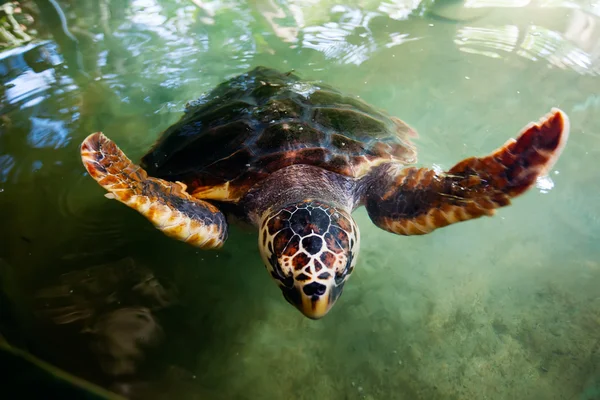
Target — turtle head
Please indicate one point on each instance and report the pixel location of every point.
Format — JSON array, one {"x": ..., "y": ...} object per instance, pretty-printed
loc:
[{"x": 310, "y": 249}]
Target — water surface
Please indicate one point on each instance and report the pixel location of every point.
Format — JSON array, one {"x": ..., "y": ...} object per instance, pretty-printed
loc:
[{"x": 504, "y": 307}]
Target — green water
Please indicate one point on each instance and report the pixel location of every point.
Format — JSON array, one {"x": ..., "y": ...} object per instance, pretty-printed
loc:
[{"x": 497, "y": 308}]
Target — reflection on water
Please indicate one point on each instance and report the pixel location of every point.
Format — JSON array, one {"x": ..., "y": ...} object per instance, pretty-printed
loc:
[
  {"x": 7, "y": 162},
  {"x": 113, "y": 306},
  {"x": 505, "y": 308},
  {"x": 349, "y": 41},
  {"x": 534, "y": 43}
]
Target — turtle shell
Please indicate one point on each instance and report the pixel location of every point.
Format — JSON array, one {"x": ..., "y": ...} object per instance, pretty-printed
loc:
[{"x": 265, "y": 120}]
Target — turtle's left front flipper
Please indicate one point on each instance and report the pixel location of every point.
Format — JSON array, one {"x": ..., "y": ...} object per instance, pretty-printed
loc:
[
  {"x": 166, "y": 204},
  {"x": 416, "y": 201}
]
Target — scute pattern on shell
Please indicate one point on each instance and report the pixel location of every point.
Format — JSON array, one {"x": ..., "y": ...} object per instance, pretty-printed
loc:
[{"x": 264, "y": 120}]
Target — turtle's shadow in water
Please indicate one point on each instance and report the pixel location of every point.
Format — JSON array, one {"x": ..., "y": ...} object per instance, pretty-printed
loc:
[{"x": 126, "y": 317}]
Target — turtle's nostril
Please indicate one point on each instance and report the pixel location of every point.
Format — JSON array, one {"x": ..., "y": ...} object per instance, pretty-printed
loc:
[{"x": 314, "y": 288}]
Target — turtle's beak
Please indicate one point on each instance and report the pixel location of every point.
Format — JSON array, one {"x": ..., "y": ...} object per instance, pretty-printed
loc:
[
  {"x": 313, "y": 299},
  {"x": 315, "y": 309}
]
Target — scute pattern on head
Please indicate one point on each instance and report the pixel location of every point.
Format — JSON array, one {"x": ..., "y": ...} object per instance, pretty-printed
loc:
[{"x": 310, "y": 242}]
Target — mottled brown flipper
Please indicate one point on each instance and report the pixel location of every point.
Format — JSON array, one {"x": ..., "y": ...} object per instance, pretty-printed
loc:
[
  {"x": 166, "y": 204},
  {"x": 416, "y": 201}
]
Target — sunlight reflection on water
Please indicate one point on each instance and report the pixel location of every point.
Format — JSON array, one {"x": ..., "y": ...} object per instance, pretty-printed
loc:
[{"x": 481, "y": 304}]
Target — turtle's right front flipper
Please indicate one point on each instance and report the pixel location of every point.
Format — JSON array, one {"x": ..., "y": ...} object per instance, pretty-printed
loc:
[{"x": 166, "y": 204}]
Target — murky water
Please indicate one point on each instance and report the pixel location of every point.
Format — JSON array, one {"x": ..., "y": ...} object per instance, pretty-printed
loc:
[{"x": 503, "y": 307}]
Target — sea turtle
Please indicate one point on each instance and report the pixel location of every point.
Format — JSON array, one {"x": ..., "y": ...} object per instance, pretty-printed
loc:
[{"x": 295, "y": 158}]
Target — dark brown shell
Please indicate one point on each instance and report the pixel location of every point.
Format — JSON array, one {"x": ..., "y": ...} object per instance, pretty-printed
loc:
[{"x": 264, "y": 120}]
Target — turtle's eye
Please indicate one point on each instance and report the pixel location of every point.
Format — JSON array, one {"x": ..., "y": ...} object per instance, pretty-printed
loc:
[{"x": 309, "y": 249}]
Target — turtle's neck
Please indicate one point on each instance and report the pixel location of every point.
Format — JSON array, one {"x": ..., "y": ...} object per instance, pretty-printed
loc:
[{"x": 297, "y": 183}]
